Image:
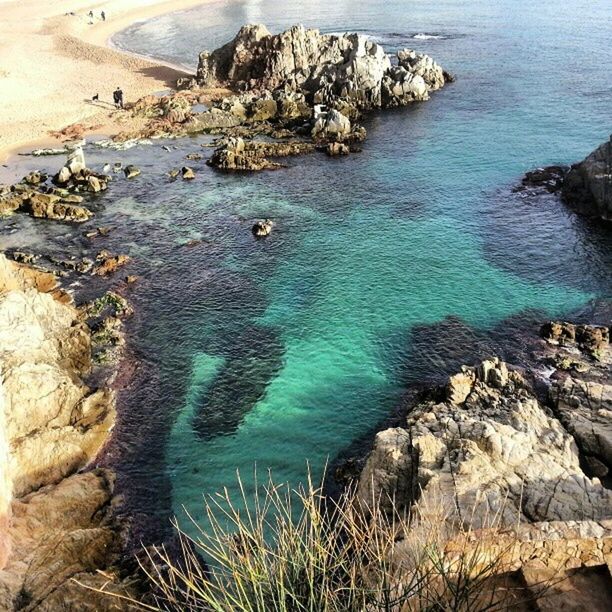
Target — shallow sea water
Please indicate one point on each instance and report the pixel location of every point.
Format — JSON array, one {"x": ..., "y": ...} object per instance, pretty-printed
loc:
[{"x": 383, "y": 266}]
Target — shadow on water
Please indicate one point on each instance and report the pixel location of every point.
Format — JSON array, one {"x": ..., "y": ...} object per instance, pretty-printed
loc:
[{"x": 255, "y": 355}]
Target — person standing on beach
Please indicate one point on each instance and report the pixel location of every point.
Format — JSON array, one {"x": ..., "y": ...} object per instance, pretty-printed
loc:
[
  {"x": 103, "y": 15},
  {"x": 118, "y": 98}
]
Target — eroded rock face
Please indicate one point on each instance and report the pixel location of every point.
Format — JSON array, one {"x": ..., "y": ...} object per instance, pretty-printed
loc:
[
  {"x": 61, "y": 534},
  {"x": 587, "y": 186},
  {"x": 324, "y": 67},
  {"x": 490, "y": 448},
  {"x": 581, "y": 390},
  {"x": 54, "y": 423},
  {"x": 54, "y": 525}
]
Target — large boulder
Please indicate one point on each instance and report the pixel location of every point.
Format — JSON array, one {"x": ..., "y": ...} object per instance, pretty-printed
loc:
[
  {"x": 587, "y": 187},
  {"x": 324, "y": 67}
]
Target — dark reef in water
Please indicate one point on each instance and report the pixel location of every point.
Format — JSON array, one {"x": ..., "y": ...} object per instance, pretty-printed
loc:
[{"x": 254, "y": 356}]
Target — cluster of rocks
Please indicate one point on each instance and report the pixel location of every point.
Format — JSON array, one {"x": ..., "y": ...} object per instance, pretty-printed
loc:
[
  {"x": 186, "y": 173},
  {"x": 296, "y": 83},
  {"x": 586, "y": 187},
  {"x": 60, "y": 200},
  {"x": 325, "y": 68},
  {"x": 57, "y": 528},
  {"x": 489, "y": 446},
  {"x": 238, "y": 154}
]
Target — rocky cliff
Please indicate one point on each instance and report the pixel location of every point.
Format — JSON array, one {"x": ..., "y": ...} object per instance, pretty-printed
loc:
[
  {"x": 55, "y": 525},
  {"x": 586, "y": 187},
  {"x": 517, "y": 461}
]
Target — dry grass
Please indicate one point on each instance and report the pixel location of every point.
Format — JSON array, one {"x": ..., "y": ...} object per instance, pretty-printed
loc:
[{"x": 297, "y": 551}]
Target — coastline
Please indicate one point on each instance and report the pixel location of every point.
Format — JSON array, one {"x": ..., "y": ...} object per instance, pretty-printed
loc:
[{"x": 35, "y": 36}]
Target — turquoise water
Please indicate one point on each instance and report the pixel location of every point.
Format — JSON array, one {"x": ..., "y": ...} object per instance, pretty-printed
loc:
[
  {"x": 383, "y": 266},
  {"x": 398, "y": 237}
]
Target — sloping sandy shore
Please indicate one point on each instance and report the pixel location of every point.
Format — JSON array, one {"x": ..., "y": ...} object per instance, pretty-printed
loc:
[{"x": 54, "y": 58}]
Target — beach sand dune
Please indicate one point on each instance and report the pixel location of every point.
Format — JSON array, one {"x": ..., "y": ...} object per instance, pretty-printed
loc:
[{"x": 54, "y": 58}]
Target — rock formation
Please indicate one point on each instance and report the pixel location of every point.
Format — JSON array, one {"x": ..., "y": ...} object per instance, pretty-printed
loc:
[
  {"x": 51, "y": 425},
  {"x": 238, "y": 154},
  {"x": 323, "y": 67},
  {"x": 490, "y": 447},
  {"x": 587, "y": 187},
  {"x": 60, "y": 201},
  {"x": 497, "y": 466}
]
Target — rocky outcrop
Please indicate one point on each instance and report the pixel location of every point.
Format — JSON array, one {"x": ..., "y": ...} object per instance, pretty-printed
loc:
[
  {"x": 238, "y": 154},
  {"x": 490, "y": 447},
  {"x": 52, "y": 424},
  {"x": 324, "y": 67},
  {"x": 587, "y": 187},
  {"x": 65, "y": 538}
]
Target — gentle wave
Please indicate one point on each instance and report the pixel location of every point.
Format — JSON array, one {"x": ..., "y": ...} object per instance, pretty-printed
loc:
[{"x": 422, "y": 36}]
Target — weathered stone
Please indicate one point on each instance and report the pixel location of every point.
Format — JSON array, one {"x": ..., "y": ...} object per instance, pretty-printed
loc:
[
  {"x": 587, "y": 188},
  {"x": 491, "y": 449},
  {"x": 262, "y": 228},
  {"x": 323, "y": 67},
  {"x": 187, "y": 173},
  {"x": 131, "y": 171}
]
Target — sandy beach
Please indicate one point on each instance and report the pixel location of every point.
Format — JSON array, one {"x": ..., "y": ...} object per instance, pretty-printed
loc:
[{"x": 54, "y": 58}]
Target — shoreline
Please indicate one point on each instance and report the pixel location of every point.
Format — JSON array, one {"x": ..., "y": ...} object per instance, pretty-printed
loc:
[{"x": 34, "y": 35}]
